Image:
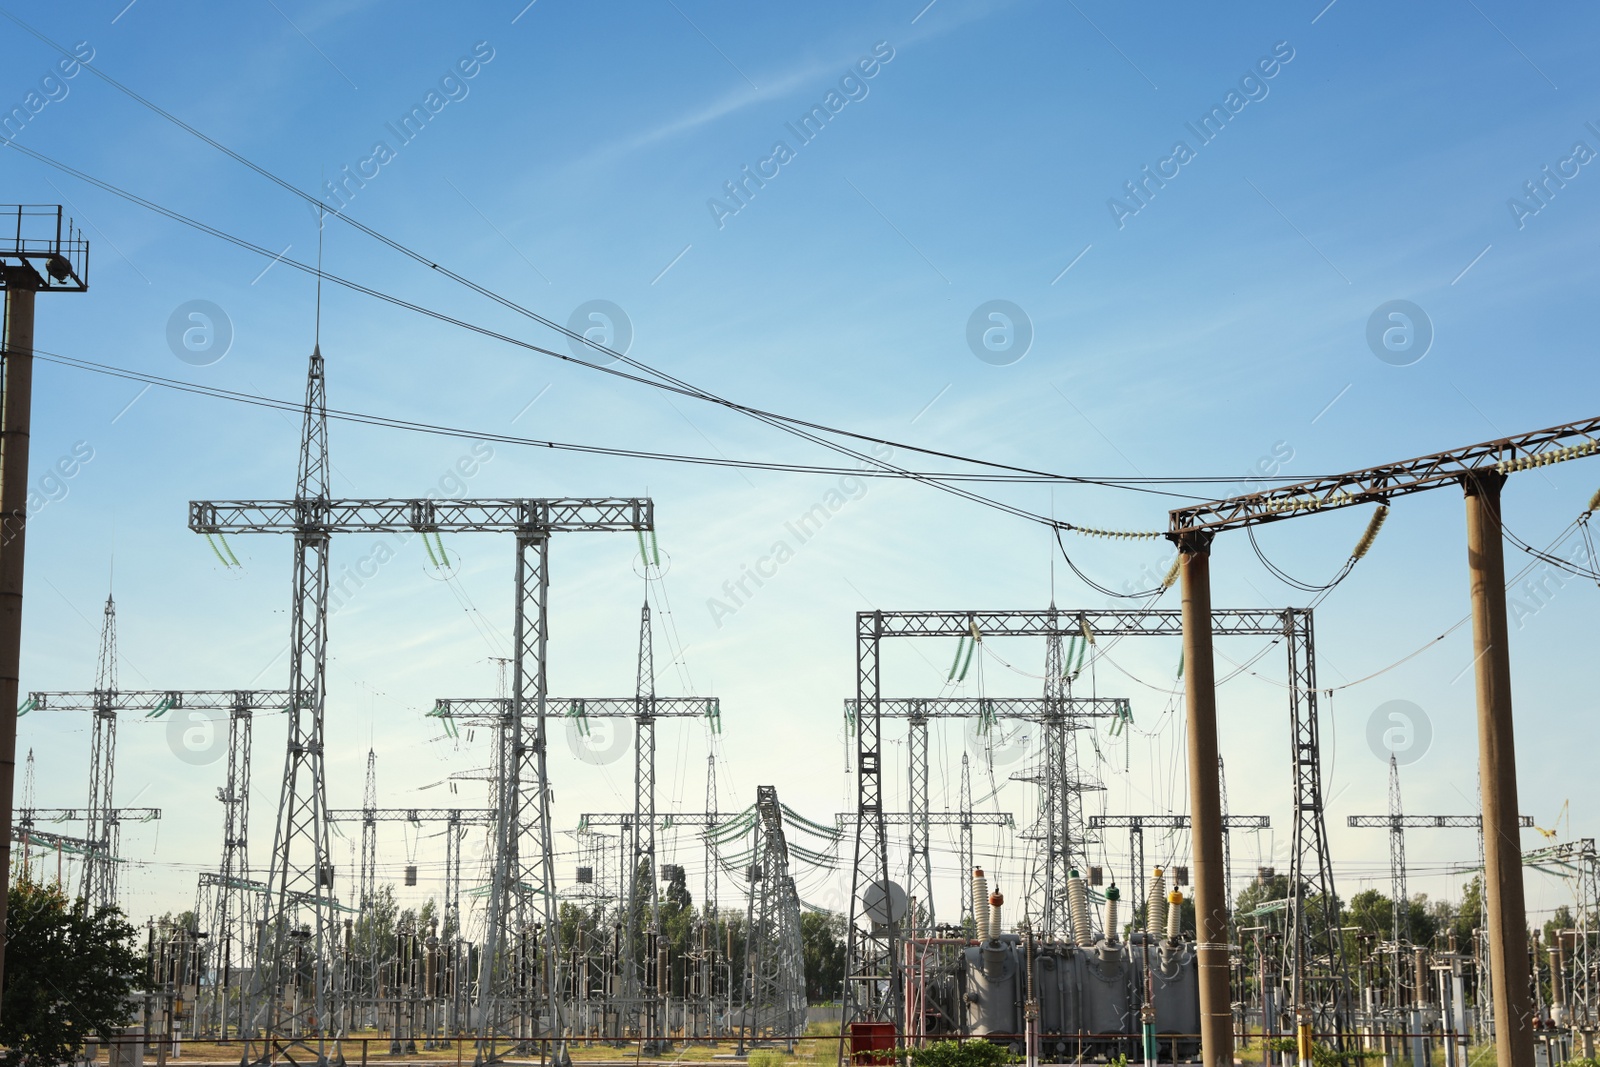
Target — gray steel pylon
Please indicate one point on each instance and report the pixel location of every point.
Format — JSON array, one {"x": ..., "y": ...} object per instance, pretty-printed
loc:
[
  {"x": 1397, "y": 859},
  {"x": 296, "y": 920},
  {"x": 230, "y": 903},
  {"x": 519, "y": 966},
  {"x": 367, "y": 884},
  {"x": 1049, "y": 866},
  {"x": 100, "y": 867},
  {"x": 642, "y": 875},
  {"x": 1314, "y": 951}
]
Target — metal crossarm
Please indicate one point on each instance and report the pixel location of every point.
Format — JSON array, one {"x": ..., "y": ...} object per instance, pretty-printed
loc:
[
  {"x": 1108, "y": 622},
  {"x": 1380, "y": 484},
  {"x": 935, "y": 818},
  {"x": 469, "y": 816},
  {"x": 1426, "y": 822},
  {"x": 1173, "y": 822},
  {"x": 1033, "y": 709},
  {"x": 162, "y": 700},
  {"x": 422, "y": 514},
  {"x": 495, "y": 709},
  {"x": 30, "y": 816}
]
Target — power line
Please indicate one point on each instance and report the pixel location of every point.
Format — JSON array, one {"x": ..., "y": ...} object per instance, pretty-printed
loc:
[{"x": 414, "y": 426}]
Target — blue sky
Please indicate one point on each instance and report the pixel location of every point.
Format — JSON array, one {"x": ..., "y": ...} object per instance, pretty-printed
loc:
[{"x": 1221, "y": 323}]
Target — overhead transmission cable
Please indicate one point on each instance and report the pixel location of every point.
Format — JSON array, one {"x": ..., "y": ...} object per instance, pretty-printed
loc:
[{"x": 667, "y": 381}]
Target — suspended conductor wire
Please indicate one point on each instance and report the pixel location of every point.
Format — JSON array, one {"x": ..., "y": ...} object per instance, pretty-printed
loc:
[
  {"x": 1290, "y": 580},
  {"x": 772, "y": 418},
  {"x": 877, "y": 465},
  {"x": 387, "y": 422}
]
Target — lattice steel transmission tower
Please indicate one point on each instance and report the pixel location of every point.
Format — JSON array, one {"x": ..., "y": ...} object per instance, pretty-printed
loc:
[
  {"x": 100, "y": 871},
  {"x": 1060, "y": 829},
  {"x": 367, "y": 879},
  {"x": 775, "y": 994},
  {"x": 642, "y": 873},
  {"x": 1401, "y": 925}
]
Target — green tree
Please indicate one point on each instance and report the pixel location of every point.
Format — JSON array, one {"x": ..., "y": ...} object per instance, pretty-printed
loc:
[
  {"x": 822, "y": 934},
  {"x": 1466, "y": 916},
  {"x": 71, "y": 972}
]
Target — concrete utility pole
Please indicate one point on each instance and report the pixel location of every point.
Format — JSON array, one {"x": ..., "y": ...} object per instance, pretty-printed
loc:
[
  {"x": 1497, "y": 766},
  {"x": 1480, "y": 470},
  {"x": 1205, "y": 805},
  {"x": 38, "y": 240}
]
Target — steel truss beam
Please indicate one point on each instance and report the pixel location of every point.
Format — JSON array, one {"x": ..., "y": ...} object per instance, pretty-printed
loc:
[{"x": 1382, "y": 483}]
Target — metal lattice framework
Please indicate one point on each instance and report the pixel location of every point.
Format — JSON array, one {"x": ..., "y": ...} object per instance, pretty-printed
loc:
[
  {"x": 105, "y": 703},
  {"x": 1383, "y": 483},
  {"x": 455, "y": 822},
  {"x": 221, "y": 896},
  {"x": 1061, "y": 829},
  {"x": 644, "y": 708},
  {"x": 775, "y": 994},
  {"x": 1397, "y": 822},
  {"x": 872, "y": 989},
  {"x": 300, "y": 879},
  {"x": 100, "y": 871},
  {"x": 1580, "y": 862},
  {"x": 1136, "y": 825}
]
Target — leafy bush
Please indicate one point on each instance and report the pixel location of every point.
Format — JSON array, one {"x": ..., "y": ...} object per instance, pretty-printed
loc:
[
  {"x": 977, "y": 1053},
  {"x": 1324, "y": 1055}
]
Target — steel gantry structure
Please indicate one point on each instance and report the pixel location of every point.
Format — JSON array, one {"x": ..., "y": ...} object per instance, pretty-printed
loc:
[
  {"x": 455, "y": 821},
  {"x": 1136, "y": 825},
  {"x": 300, "y": 874},
  {"x": 644, "y": 708},
  {"x": 872, "y": 988},
  {"x": 1577, "y": 860},
  {"x": 105, "y": 703},
  {"x": 638, "y": 992},
  {"x": 1061, "y": 825},
  {"x": 1480, "y": 471},
  {"x": 1397, "y": 822}
]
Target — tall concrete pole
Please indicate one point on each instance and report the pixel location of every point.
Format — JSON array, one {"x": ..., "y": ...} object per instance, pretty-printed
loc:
[
  {"x": 1205, "y": 804},
  {"x": 15, "y": 407},
  {"x": 1497, "y": 768}
]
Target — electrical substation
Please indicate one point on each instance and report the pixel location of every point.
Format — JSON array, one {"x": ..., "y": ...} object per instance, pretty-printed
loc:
[{"x": 1016, "y": 898}]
